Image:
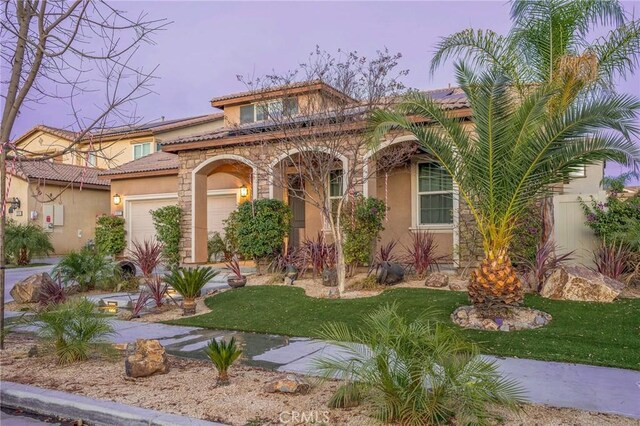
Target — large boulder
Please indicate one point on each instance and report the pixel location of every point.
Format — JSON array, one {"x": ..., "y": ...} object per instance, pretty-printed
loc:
[
  {"x": 28, "y": 290},
  {"x": 437, "y": 279},
  {"x": 287, "y": 384},
  {"x": 581, "y": 284},
  {"x": 149, "y": 358},
  {"x": 389, "y": 273}
]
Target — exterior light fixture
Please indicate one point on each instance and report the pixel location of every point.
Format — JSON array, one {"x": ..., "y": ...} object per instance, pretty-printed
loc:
[
  {"x": 117, "y": 199},
  {"x": 244, "y": 191},
  {"x": 112, "y": 307}
]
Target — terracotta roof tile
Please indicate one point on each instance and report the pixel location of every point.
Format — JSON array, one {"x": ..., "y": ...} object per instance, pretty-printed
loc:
[
  {"x": 159, "y": 126},
  {"x": 153, "y": 162},
  {"x": 48, "y": 170}
]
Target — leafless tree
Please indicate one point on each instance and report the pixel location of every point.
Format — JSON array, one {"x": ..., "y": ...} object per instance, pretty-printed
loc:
[
  {"x": 321, "y": 139},
  {"x": 68, "y": 51}
]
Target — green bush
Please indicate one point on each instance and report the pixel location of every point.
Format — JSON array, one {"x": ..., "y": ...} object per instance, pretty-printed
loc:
[
  {"x": 223, "y": 354},
  {"x": 88, "y": 268},
  {"x": 610, "y": 220},
  {"x": 110, "y": 234},
  {"x": 74, "y": 329},
  {"x": 166, "y": 220},
  {"x": 362, "y": 222},
  {"x": 416, "y": 372},
  {"x": 24, "y": 241},
  {"x": 216, "y": 247},
  {"x": 257, "y": 228},
  {"x": 527, "y": 236}
]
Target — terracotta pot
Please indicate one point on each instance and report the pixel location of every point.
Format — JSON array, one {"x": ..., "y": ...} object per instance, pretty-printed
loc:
[
  {"x": 235, "y": 282},
  {"x": 188, "y": 306}
]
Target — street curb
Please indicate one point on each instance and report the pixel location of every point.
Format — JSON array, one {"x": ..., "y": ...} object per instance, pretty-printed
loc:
[{"x": 93, "y": 411}]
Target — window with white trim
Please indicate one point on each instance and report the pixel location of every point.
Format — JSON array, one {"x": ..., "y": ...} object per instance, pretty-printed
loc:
[
  {"x": 435, "y": 195},
  {"x": 336, "y": 189},
  {"x": 141, "y": 150},
  {"x": 91, "y": 159},
  {"x": 262, "y": 111}
]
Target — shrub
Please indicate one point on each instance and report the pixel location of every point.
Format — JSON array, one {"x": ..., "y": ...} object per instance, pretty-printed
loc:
[
  {"x": 52, "y": 292},
  {"x": 217, "y": 248},
  {"x": 414, "y": 373},
  {"x": 610, "y": 219},
  {"x": 362, "y": 222},
  {"x": 138, "y": 305},
  {"x": 110, "y": 235},
  {"x": 24, "y": 241},
  {"x": 157, "y": 289},
  {"x": 74, "y": 329},
  {"x": 166, "y": 221},
  {"x": 320, "y": 254},
  {"x": 259, "y": 227},
  {"x": 87, "y": 268},
  {"x": 146, "y": 256},
  {"x": 296, "y": 257},
  {"x": 223, "y": 354},
  {"x": 189, "y": 281},
  {"x": 612, "y": 259},
  {"x": 421, "y": 254}
]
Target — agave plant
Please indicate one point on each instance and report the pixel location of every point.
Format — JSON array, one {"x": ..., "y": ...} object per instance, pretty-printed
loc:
[
  {"x": 189, "y": 282},
  {"x": 413, "y": 373},
  {"x": 146, "y": 256},
  {"x": 519, "y": 150},
  {"x": 223, "y": 354},
  {"x": 74, "y": 329}
]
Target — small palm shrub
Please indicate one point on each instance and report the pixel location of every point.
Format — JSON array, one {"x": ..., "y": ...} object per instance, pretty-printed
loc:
[
  {"x": 146, "y": 255},
  {"x": 24, "y": 241},
  {"x": 421, "y": 253},
  {"x": 223, "y": 354},
  {"x": 612, "y": 259},
  {"x": 189, "y": 282},
  {"x": 74, "y": 330},
  {"x": 88, "y": 268},
  {"x": 52, "y": 292},
  {"x": 414, "y": 373}
]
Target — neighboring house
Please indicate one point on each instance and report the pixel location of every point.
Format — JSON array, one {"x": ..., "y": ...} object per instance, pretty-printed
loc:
[
  {"x": 68, "y": 182},
  {"x": 64, "y": 199},
  {"x": 206, "y": 173}
]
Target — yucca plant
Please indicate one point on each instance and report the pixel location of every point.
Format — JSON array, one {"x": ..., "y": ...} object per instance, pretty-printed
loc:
[
  {"x": 24, "y": 241},
  {"x": 87, "y": 268},
  {"x": 223, "y": 354},
  {"x": 189, "y": 282},
  {"x": 146, "y": 255},
  {"x": 516, "y": 153},
  {"x": 74, "y": 329},
  {"x": 413, "y": 373}
]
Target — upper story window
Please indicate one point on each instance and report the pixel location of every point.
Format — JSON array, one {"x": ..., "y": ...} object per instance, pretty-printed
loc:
[
  {"x": 141, "y": 149},
  {"x": 435, "y": 195},
  {"x": 91, "y": 159},
  {"x": 265, "y": 110}
]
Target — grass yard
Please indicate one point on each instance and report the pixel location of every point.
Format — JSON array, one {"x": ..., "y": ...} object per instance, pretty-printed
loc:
[{"x": 588, "y": 333}]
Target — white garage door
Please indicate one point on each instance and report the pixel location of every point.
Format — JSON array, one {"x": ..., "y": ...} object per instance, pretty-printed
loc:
[
  {"x": 139, "y": 217},
  {"x": 218, "y": 209}
]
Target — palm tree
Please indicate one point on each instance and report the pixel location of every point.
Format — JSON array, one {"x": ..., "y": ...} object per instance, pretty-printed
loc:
[
  {"x": 517, "y": 151},
  {"x": 23, "y": 241},
  {"x": 548, "y": 44}
]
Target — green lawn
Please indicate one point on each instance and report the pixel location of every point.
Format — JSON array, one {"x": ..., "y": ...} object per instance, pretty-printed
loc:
[{"x": 589, "y": 333}]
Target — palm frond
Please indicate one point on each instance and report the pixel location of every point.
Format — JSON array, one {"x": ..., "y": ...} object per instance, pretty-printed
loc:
[{"x": 618, "y": 53}]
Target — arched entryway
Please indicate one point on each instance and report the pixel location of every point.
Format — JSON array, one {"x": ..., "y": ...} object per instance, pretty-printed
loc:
[{"x": 218, "y": 184}]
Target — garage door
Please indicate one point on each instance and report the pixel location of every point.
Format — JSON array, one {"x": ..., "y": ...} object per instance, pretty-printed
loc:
[
  {"x": 139, "y": 217},
  {"x": 218, "y": 209}
]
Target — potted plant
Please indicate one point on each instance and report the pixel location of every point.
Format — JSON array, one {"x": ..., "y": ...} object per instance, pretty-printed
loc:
[
  {"x": 188, "y": 282},
  {"x": 235, "y": 279}
]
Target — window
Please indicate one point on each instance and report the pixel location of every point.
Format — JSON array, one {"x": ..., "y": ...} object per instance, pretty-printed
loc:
[
  {"x": 158, "y": 147},
  {"x": 435, "y": 195},
  {"x": 90, "y": 159},
  {"x": 266, "y": 110},
  {"x": 579, "y": 172},
  {"x": 141, "y": 149},
  {"x": 335, "y": 189}
]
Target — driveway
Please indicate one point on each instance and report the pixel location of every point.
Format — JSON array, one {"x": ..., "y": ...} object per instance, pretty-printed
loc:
[{"x": 14, "y": 275}]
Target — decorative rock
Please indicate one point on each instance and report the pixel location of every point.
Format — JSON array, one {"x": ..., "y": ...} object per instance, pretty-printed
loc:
[
  {"x": 489, "y": 325},
  {"x": 33, "y": 351},
  {"x": 149, "y": 358},
  {"x": 288, "y": 281},
  {"x": 458, "y": 285},
  {"x": 437, "y": 279},
  {"x": 28, "y": 290},
  {"x": 507, "y": 319},
  {"x": 389, "y": 273},
  {"x": 540, "y": 320},
  {"x": 333, "y": 293},
  {"x": 504, "y": 327},
  {"x": 125, "y": 315},
  {"x": 581, "y": 284},
  {"x": 462, "y": 314},
  {"x": 287, "y": 384}
]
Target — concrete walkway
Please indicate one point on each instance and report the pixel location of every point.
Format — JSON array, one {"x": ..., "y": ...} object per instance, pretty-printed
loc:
[{"x": 608, "y": 390}]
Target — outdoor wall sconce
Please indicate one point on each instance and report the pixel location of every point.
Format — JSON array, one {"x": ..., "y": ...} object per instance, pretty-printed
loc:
[
  {"x": 117, "y": 199},
  {"x": 14, "y": 204},
  {"x": 244, "y": 191}
]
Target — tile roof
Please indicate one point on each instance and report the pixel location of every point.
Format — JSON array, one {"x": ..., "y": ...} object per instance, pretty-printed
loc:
[
  {"x": 452, "y": 98},
  {"x": 149, "y": 163},
  {"x": 301, "y": 84},
  {"x": 51, "y": 171}
]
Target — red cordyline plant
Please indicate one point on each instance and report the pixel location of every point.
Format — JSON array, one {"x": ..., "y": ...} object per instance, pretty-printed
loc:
[
  {"x": 296, "y": 257},
  {"x": 139, "y": 304},
  {"x": 52, "y": 292},
  {"x": 146, "y": 255},
  {"x": 234, "y": 266},
  {"x": 421, "y": 253},
  {"x": 385, "y": 253},
  {"x": 157, "y": 289},
  {"x": 611, "y": 259},
  {"x": 546, "y": 261},
  {"x": 319, "y": 253}
]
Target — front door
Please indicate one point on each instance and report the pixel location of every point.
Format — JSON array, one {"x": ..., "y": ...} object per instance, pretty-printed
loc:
[{"x": 296, "y": 204}]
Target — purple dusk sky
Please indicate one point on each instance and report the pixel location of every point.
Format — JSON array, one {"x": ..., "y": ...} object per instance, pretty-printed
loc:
[{"x": 209, "y": 43}]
